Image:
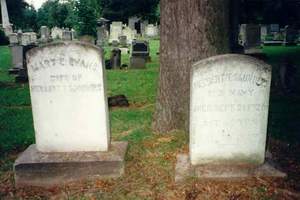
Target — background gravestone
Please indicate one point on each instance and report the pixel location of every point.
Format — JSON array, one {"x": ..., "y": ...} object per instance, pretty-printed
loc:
[
  {"x": 229, "y": 105},
  {"x": 72, "y": 143},
  {"x": 115, "y": 58}
]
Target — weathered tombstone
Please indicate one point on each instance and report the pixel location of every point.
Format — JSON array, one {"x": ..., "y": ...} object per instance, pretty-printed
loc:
[
  {"x": 140, "y": 54},
  {"x": 73, "y": 34},
  {"x": 229, "y": 105},
  {"x": 250, "y": 38},
  {"x": 56, "y": 33},
  {"x": 67, "y": 35},
  {"x": 115, "y": 58},
  {"x": 13, "y": 38},
  {"x": 115, "y": 31},
  {"x": 123, "y": 40},
  {"x": 263, "y": 32},
  {"x": 33, "y": 37},
  {"x": 26, "y": 39},
  {"x": 151, "y": 31},
  {"x": 17, "y": 52},
  {"x": 102, "y": 35},
  {"x": 45, "y": 34},
  {"x": 5, "y": 18},
  {"x": 72, "y": 143},
  {"x": 130, "y": 34}
]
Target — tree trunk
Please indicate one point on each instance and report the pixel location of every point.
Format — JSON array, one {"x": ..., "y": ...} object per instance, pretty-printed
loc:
[{"x": 191, "y": 30}]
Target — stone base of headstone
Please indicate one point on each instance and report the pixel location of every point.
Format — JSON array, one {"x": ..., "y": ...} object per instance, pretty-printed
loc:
[
  {"x": 33, "y": 168},
  {"x": 137, "y": 62},
  {"x": 22, "y": 76},
  {"x": 185, "y": 170}
]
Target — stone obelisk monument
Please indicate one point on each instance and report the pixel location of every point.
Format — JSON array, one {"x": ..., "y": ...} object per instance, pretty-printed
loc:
[{"x": 5, "y": 19}]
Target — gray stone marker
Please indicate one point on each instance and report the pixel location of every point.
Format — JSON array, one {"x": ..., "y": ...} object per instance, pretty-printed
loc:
[
  {"x": 250, "y": 38},
  {"x": 67, "y": 35},
  {"x": 151, "y": 31},
  {"x": 229, "y": 105},
  {"x": 45, "y": 34},
  {"x": 140, "y": 54},
  {"x": 115, "y": 58},
  {"x": 71, "y": 121},
  {"x": 123, "y": 40}
]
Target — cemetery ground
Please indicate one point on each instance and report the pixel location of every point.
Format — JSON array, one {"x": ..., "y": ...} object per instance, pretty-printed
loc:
[{"x": 150, "y": 160}]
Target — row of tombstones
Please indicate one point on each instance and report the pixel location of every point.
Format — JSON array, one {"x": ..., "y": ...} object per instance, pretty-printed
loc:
[
  {"x": 140, "y": 55},
  {"x": 229, "y": 103},
  {"x": 251, "y": 36},
  {"x": 21, "y": 43}
]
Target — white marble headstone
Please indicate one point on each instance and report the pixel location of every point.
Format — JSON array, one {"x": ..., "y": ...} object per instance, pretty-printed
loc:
[
  {"x": 229, "y": 110},
  {"x": 67, "y": 88}
]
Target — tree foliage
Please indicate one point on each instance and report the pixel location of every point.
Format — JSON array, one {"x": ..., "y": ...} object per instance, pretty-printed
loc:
[
  {"x": 87, "y": 17},
  {"x": 54, "y": 13},
  {"x": 122, "y": 10}
]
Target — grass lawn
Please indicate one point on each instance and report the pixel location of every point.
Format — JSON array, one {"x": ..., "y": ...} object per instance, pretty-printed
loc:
[{"x": 150, "y": 158}]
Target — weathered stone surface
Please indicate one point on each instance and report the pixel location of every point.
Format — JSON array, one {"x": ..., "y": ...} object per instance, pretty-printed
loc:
[
  {"x": 229, "y": 110},
  {"x": 68, "y": 95},
  {"x": 34, "y": 168},
  {"x": 184, "y": 170}
]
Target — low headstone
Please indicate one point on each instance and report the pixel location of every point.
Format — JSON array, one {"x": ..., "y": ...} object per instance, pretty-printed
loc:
[
  {"x": 13, "y": 38},
  {"x": 67, "y": 35},
  {"x": 56, "y": 33},
  {"x": 229, "y": 105},
  {"x": 45, "y": 34},
  {"x": 26, "y": 39},
  {"x": 102, "y": 35},
  {"x": 114, "y": 43},
  {"x": 140, "y": 54},
  {"x": 151, "y": 31},
  {"x": 123, "y": 40},
  {"x": 115, "y": 58},
  {"x": 250, "y": 38},
  {"x": 72, "y": 143},
  {"x": 130, "y": 34},
  {"x": 33, "y": 38},
  {"x": 73, "y": 34},
  {"x": 17, "y": 52}
]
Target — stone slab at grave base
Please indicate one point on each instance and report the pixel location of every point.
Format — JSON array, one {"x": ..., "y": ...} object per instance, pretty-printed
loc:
[
  {"x": 185, "y": 170},
  {"x": 33, "y": 168}
]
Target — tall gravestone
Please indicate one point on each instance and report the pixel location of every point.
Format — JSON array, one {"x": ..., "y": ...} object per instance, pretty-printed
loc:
[
  {"x": 45, "y": 34},
  {"x": 71, "y": 121},
  {"x": 229, "y": 105},
  {"x": 5, "y": 18},
  {"x": 116, "y": 29}
]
